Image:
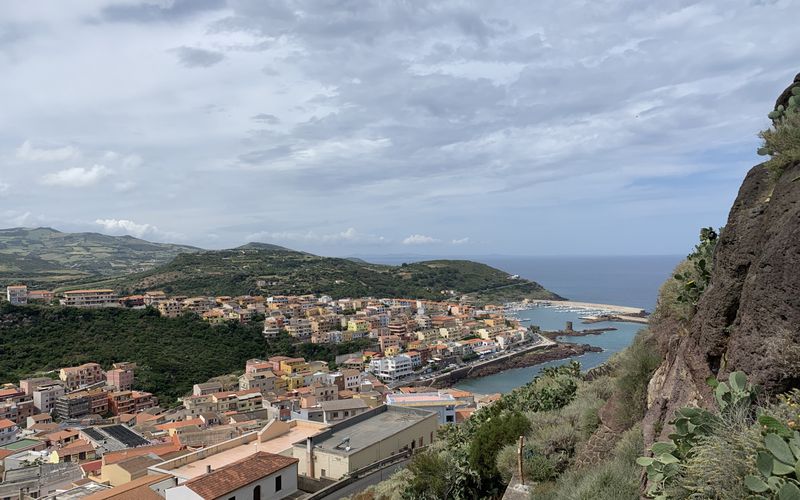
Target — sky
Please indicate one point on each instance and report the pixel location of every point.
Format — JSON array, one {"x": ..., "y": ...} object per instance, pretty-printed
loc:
[{"x": 346, "y": 127}]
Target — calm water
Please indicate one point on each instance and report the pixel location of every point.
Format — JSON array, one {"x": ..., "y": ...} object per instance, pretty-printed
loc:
[
  {"x": 629, "y": 281},
  {"x": 553, "y": 319}
]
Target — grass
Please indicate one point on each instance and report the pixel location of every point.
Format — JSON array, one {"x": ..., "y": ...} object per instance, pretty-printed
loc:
[
  {"x": 636, "y": 365},
  {"x": 615, "y": 479}
]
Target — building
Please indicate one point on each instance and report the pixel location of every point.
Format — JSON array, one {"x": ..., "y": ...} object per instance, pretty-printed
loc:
[
  {"x": 80, "y": 404},
  {"x": 28, "y": 385},
  {"x": 169, "y": 308},
  {"x": 130, "y": 402},
  {"x": 46, "y": 395},
  {"x": 75, "y": 377},
  {"x": 441, "y": 403},
  {"x": 41, "y": 296},
  {"x": 9, "y": 431},
  {"x": 206, "y": 388},
  {"x": 262, "y": 476},
  {"x": 120, "y": 378},
  {"x": 17, "y": 409},
  {"x": 341, "y": 409},
  {"x": 263, "y": 381},
  {"x": 362, "y": 440},
  {"x": 17, "y": 294},
  {"x": 392, "y": 369},
  {"x": 90, "y": 298}
]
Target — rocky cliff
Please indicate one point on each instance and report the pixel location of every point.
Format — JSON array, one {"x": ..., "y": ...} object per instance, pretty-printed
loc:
[{"x": 748, "y": 319}]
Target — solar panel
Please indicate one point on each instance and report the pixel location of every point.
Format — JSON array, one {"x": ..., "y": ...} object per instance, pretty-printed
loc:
[
  {"x": 94, "y": 434},
  {"x": 125, "y": 436}
]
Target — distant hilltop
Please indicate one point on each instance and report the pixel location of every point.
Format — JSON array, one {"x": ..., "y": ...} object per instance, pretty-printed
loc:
[{"x": 45, "y": 258}]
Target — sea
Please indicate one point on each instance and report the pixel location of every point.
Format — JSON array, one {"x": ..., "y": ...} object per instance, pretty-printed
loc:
[{"x": 619, "y": 280}]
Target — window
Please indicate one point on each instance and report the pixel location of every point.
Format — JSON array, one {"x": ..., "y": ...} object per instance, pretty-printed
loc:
[
  {"x": 278, "y": 484},
  {"x": 257, "y": 492},
  {"x": 448, "y": 418}
]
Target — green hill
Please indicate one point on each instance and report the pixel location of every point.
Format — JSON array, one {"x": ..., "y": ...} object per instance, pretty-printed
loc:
[
  {"x": 46, "y": 257},
  {"x": 278, "y": 271},
  {"x": 171, "y": 354}
]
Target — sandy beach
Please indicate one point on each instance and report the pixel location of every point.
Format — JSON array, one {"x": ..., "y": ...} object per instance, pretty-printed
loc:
[{"x": 613, "y": 309}]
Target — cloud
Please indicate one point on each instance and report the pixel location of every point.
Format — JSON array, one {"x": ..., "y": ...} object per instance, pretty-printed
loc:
[
  {"x": 162, "y": 11},
  {"x": 460, "y": 241},
  {"x": 77, "y": 176},
  {"x": 125, "y": 226},
  {"x": 4, "y": 187},
  {"x": 266, "y": 118},
  {"x": 192, "y": 57},
  {"x": 419, "y": 239},
  {"x": 27, "y": 152},
  {"x": 349, "y": 235}
]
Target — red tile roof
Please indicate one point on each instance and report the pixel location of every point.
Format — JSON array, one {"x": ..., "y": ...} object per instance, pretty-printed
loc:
[
  {"x": 138, "y": 489},
  {"x": 238, "y": 474},
  {"x": 158, "y": 449},
  {"x": 180, "y": 423},
  {"x": 6, "y": 423}
]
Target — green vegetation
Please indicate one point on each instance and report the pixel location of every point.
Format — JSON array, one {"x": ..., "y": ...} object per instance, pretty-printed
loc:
[
  {"x": 694, "y": 280},
  {"x": 636, "y": 365},
  {"x": 263, "y": 269},
  {"x": 172, "y": 354},
  {"x": 782, "y": 140},
  {"x": 45, "y": 257}
]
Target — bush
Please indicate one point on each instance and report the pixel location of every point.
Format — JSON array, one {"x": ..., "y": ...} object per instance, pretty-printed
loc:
[
  {"x": 636, "y": 365},
  {"x": 721, "y": 461},
  {"x": 782, "y": 140},
  {"x": 615, "y": 479},
  {"x": 537, "y": 467}
]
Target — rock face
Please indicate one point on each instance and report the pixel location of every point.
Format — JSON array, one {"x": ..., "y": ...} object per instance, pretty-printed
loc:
[{"x": 749, "y": 317}]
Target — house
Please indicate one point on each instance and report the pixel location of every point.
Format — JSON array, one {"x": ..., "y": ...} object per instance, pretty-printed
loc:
[
  {"x": 9, "y": 431},
  {"x": 149, "y": 487},
  {"x": 41, "y": 296},
  {"x": 341, "y": 409},
  {"x": 362, "y": 440},
  {"x": 262, "y": 475},
  {"x": 79, "y": 450},
  {"x": 392, "y": 369},
  {"x": 206, "y": 388},
  {"x": 121, "y": 378}
]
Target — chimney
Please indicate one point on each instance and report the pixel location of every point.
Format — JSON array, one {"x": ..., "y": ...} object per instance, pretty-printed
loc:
[
  {"x": 208, "y": 469},
  {"x": 310, "y": 458}
]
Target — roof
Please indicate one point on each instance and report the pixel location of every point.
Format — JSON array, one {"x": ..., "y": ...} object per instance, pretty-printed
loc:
[
  {"x": 41, "y": 416},
  {"x": 238, "y": 474},
  {"x": 61, "y": 435},
  {"x": 93, "y": 466},
  {"x": 99, "y": 290},
  {"x": 79, "y": 446},
  {"x": 421, "y": 399},
  {"x": 367, "y": 429},
  {"x": 21, "y": 444},
  {"x": 157, "y": 449},
  {"x": 180, "y": 423},
  {"x": 6, "y": 423},
  {"x": 138, "y": 489},
  {"x": 138, "y": 464}
]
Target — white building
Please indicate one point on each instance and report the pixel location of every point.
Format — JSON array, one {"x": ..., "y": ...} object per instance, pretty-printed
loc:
[
  {"x": 391, "y": 369},
  {"x": 8, "y": 431},
  {"x": 441, "y": 403},
  {"x": 17, "y": 294},
  {"x": 45, "y": 396},
  {"x": 262, "y": 475}
]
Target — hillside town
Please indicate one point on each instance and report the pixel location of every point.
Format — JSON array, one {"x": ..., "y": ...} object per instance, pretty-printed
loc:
[{"x": 283, "y": 427}]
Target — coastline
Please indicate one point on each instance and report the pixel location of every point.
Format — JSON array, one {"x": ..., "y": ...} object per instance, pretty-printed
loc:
[
  {"x": 554, "y": 352},
  {"x": 611, "y": 308}
]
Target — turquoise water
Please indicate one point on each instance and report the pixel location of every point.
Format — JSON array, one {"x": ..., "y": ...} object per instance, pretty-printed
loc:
[{"x": 554, "y": 319}]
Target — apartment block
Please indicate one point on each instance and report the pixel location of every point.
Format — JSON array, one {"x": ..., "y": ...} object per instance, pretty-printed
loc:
[
  {"x": 46, "y": 395},
  {"x": 120, "y": 378},
  {"x": 75, "y": 377},
  {"x": 17, "y": 294},
  {"x": 91, "y": 298}
]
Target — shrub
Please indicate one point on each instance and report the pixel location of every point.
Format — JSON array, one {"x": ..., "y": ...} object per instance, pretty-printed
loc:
[
  {"x": 536, "y": 466},
  {"x": 721, "y": 460},
  {"x": 636, "y": 365},
  {"x": 615, "y": 479},
  {"x": 782, "y": 140}
]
